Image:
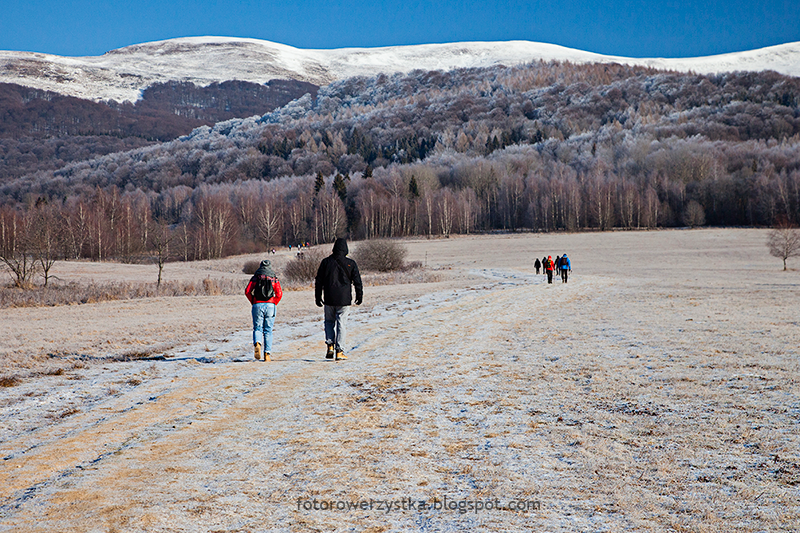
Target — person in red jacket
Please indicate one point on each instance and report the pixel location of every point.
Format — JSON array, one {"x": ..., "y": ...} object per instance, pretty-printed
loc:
[
  {"x": 264, "y": 292},
  {"x": 548, "y": 268}
]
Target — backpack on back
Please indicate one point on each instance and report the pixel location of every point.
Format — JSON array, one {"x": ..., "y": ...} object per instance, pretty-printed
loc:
[{"x": 263, "y": 289}]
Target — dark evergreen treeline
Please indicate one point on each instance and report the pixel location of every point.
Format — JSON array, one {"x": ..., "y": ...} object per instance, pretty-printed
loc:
[
  {"x": 41, "y": 130},
  {"x": 543, "y": 146},
  {"x": 218, "y": 101}
]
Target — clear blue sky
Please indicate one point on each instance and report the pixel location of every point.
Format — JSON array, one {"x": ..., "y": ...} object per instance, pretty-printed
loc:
[{"x": 632, "y": 28}]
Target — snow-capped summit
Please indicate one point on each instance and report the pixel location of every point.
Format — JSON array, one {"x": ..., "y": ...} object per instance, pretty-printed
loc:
[{"x": 122, "y": 74}]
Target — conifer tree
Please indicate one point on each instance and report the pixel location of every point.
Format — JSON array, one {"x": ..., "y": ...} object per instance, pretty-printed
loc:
[
  {"x": 340, "y": 186},
  {"x": 319, "y": 183},
  {"x": 413, "y": 187}
]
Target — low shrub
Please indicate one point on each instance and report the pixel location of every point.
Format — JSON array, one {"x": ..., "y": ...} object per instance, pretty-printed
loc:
[
  {"x": 304, "y": 267},
  {"x": 250, "y": 267},
  {"x": 380, "y": 255}
]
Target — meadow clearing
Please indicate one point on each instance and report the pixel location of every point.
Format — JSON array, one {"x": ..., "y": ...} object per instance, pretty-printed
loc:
[{"x": 656, "y": 391}]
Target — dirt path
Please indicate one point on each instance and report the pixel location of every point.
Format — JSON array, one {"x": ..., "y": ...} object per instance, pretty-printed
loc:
[{"x": 246, "y": 440}]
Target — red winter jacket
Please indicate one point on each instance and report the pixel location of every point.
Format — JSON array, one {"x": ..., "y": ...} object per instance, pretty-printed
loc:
[{"x": 276, "y": 286}]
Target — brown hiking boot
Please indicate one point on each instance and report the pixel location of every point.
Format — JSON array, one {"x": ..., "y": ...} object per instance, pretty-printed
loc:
[
  {"x": 267, "y": 357},
  {"x": 340, "y": 356},
  {"x": 329, "y": 353},
  {"x": 257, "y": 350}
]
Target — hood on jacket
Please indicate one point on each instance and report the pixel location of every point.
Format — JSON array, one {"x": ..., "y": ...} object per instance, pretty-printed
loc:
[
  {"x": 265, "y": 269},
  {"x": 340, "y": 247}
]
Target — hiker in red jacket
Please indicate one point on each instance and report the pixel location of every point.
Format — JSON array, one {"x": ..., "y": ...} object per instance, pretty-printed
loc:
[
  {"x": 548, "y": 268},
  {"x": 264, "y": 292}
]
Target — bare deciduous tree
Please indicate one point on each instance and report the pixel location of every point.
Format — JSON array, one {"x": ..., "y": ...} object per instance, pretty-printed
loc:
[
  {"x": 159, "y": 237},
  {"x": 331, "y": 216},
  {"x": 447, "y": 211},
  {"x": 694, "y": 214},
  {"x": 76, "y": 228},
  {"x": 16, "y": 252},
  {"x": 268, "y": 221},
  {"x": 46, "y": 236},
  {"x": 784, "y": 242},
  {"x": 216, "y": 223}
]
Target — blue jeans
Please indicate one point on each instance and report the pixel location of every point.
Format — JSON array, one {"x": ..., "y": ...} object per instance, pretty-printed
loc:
[
  {"x": 263, "y": 320},
  {"x": 336, "y": 325}
]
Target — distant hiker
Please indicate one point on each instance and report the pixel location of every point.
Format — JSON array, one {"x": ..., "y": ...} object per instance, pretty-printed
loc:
[
  {"x": 264, "y": 292},
  {"x": 336, "y": 276},
  {"x": 565, "y": 267},
  {"x": 537, "y": 265},
  {"x": 557, "y": 264},
  {"x": 548, "y": 268},
  {"x": 544, "y": 260}
]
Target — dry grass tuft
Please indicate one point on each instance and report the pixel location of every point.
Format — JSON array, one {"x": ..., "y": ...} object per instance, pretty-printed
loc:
[
  {"x": 76, "y": 293},
  {"x": 147, "y": 353},
  {"x": 212, "y": 287},
  {"x": 64, "y": 414},
  {"x": 9, "y": 381},
  {"x": 69, "y": 412}
]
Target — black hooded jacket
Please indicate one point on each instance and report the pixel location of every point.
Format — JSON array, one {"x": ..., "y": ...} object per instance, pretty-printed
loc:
[{"x": 335, "y": 277}]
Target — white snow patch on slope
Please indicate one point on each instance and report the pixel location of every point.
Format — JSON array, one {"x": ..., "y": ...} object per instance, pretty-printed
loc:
[{"x": 124, "y": 73}]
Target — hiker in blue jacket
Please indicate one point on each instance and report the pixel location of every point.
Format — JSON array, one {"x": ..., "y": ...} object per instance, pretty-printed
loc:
[{"x": 565, "y": 266}]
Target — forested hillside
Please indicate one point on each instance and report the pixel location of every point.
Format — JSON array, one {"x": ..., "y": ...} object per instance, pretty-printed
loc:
[
  {"x": 41, "y": 130},
  {"x": 544, "y": 146}
]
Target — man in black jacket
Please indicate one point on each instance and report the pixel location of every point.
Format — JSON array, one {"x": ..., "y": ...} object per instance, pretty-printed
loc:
[{"x": 336, "y": 276}]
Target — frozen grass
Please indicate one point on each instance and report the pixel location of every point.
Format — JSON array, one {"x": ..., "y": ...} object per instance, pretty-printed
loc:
[
  {"x": 75, "y": 293},
  {"x": 654, "y": 398},
  {"x": 78, "y": 293}
]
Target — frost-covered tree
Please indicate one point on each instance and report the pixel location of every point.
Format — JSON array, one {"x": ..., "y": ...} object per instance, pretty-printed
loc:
[{"x": 784, "y": 242}]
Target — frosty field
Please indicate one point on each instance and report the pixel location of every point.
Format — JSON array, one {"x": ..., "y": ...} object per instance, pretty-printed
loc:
[{"x": 656, "y": 391}]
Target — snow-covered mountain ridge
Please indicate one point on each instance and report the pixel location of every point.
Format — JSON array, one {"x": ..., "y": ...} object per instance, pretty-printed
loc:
[{"x": 122, "y": 74}]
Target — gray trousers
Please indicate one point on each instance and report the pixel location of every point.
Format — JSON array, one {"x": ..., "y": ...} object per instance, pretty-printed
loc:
[{"x": 336, "y": 325}]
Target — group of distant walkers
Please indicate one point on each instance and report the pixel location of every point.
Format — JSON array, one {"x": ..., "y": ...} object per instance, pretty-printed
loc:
[
  {"x": 561, "y": 266},
  {"x": 333, "y": 290}
]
